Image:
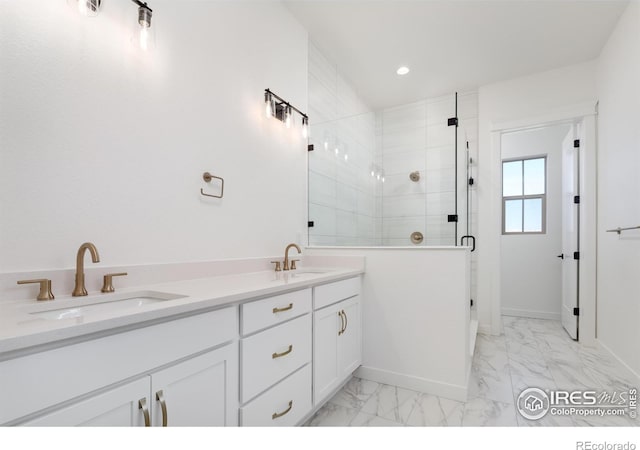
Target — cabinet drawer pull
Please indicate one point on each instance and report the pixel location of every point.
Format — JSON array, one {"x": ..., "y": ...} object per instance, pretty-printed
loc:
[
  {"x": 285, "y": 353},
  {"x": 163, "y": 405},
  {"x": 142, "y": 404},
  {"x": 274, "y": 416},
  {"x": 287, "y": 308},
  {"x": 341, "y": 323}
]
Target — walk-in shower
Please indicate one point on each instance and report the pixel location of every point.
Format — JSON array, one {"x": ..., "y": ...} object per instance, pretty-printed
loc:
[
  {"x": 402, "y": 176},
  {"x": 396, "y": 185}
]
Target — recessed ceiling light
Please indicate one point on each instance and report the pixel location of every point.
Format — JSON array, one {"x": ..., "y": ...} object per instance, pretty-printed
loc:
[{"x": 402, "y": 70}]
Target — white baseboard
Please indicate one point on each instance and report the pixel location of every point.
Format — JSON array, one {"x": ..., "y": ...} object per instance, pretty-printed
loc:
[
  {"x": 531, "y": 314},
  {"x": 624, "y": 364},
  {"x": 446, "y": 390}
]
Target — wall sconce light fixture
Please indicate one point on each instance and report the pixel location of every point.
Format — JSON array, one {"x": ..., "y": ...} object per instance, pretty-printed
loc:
[
  {"x": 87, "y": 8},
  {"x": 91, "y": 8},
  {"x": 276, "y": 106}
]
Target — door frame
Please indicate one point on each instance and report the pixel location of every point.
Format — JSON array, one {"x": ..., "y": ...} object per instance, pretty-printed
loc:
[{"x": 586, "y": 114}]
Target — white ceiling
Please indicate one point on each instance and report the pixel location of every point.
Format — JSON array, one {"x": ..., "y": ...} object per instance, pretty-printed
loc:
[{"x": 451, "y": 45}]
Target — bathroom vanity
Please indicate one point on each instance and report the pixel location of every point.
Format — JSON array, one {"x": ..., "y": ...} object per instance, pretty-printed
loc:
[{"x": 248, "y": 349}]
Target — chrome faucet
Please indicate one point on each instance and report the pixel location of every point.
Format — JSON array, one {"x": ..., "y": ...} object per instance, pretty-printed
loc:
[
  {"x": 286, "y": 257},
  {"x": 79, "y": 290}
]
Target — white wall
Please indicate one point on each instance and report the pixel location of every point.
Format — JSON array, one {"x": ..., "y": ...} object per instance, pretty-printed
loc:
[
  {"x": 543, "y": 94},
  {"x": 102, "y": 143},
  {"x": 416, "y": 318},
  {"x": 619, "y": 190},
  {"x": 531, "y": 273}
]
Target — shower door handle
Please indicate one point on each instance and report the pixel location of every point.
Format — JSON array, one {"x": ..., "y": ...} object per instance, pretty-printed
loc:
[
  {"x": 561, "y": 256},
  {"x": 473, "y": 241}
]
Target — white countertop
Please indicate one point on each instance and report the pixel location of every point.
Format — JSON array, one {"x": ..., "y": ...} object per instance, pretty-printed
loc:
[{"x": 20, "y": 329}]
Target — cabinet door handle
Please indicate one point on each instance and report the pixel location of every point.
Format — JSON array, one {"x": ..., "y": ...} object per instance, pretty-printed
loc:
[
  {"x": 163, "y": 405},
  {"x": 274, "y": 416},
  {"x": 346, "y": 322},
  {"x": 285, "y": 353},
  {"x": 142, "y": 404},
  {"x": 287, "y": 308},
  {"x": 341, "y": 323}
]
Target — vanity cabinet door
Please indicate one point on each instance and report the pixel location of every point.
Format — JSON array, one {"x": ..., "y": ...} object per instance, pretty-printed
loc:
[
  {"x": 350, "y": 341},
  {"x": 326, "y": 326},
  {"x": 201, "y": 391},
  {"x": 120, "y": 407},
  {"x": 337, "y": 346}
]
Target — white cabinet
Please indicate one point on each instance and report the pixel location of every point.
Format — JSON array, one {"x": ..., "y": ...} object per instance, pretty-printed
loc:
[
  {"x": 201, "y": 391},
  {"x": 271, "y": 355},
  {"x": 285, "y": 404},
  {"x": 350, "y": 341},
  {"x": 330, "y": 293},
  {"x": 120, "y": 407},
  {"x": 276, "y": 384},
  {"x": 268, "y": 312},
  {"x": 337, "y": 346},
  {"x": 33, "y": 384}
]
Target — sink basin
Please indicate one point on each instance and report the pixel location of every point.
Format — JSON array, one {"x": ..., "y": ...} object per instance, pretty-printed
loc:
[
  {"x": 107, "y": 304},
  {"x": 304, "y": 271}
]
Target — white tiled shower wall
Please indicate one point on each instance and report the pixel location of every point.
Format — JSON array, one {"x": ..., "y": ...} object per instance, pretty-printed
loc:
[
  {"x": 350, "y": 207},
  {"x": 416, "y": 137},
  {"x": 342, "y": 193}
]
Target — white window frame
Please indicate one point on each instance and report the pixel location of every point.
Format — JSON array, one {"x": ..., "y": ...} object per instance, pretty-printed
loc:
[{"x": 523, "y": 197}]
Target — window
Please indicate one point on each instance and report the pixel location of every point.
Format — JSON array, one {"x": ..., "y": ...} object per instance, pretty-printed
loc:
[{"x": 524, "y": 195}]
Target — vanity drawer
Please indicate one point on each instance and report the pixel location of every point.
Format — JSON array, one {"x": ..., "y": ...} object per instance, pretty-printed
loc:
[
  {"x": 270, "y": 356},
  {"x": 271, "y": 311},
  {"x": 294, "y": 392},
  {"x": 328, "y": 294}
]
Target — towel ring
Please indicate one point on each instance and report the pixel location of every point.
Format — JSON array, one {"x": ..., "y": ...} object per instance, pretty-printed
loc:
[{"x": 207, "y": 177}]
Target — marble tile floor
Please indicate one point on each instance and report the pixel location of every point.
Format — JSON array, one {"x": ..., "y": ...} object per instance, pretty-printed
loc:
[{"x": 529, "y": 353}]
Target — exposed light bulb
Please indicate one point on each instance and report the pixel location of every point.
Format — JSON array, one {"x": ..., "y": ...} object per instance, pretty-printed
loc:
[
  {"x": 144, "y": 38},
  {"x": 346, "y": 157},
  {"x": 305, "y": 127},
  {"x": 402, "y": 70},
  {"x": 88, "y": 8},
  {"x": 268, "y": 102},
  {"x": 382, "y": 179},
  {"x": 287, "y": 117},
  {"x": 373, "y": 174},
  {"x": 337, "y": 151},
  {"x": 326, "y": 145},
  {"x": 378, "y": 176},
  {"x": 144, "y": 19}
]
